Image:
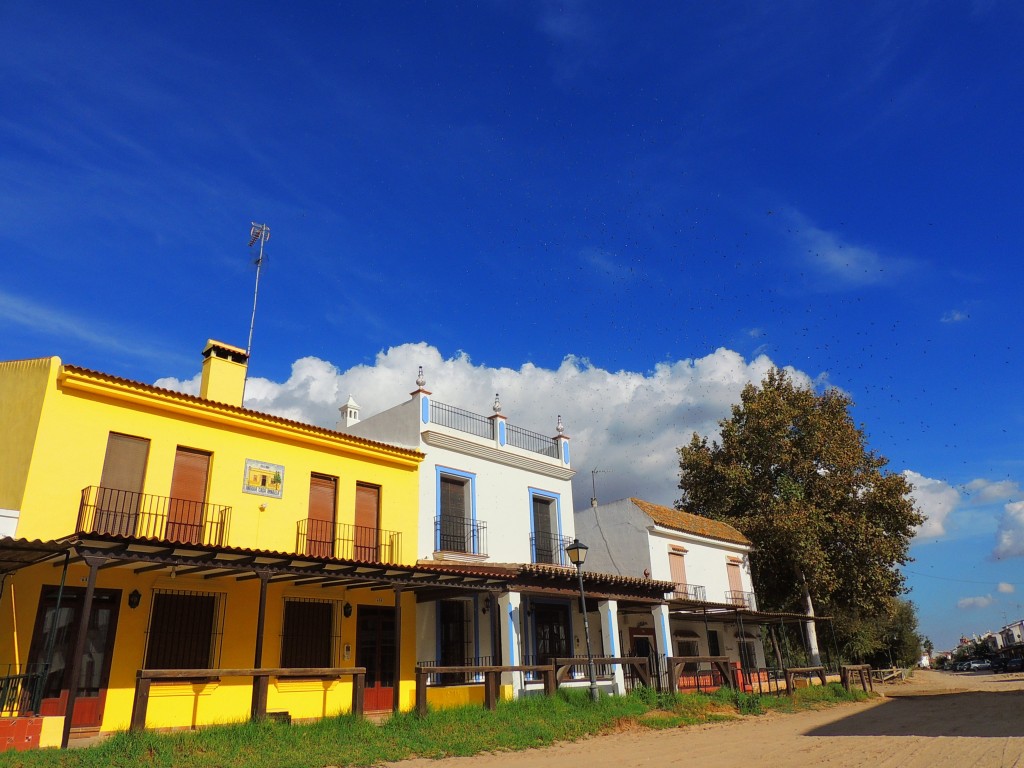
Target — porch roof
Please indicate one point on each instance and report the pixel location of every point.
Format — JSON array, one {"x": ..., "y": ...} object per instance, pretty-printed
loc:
[
  {"x": 142, "y": 555},
  {"x": 19, "y": 553}
]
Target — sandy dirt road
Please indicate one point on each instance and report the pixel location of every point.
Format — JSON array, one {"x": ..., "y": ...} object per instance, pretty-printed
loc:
[{"x": 936, "y": 720}]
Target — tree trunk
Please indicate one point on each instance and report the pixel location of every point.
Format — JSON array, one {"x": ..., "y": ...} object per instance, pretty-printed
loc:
[{"x": 812, "y": 632}]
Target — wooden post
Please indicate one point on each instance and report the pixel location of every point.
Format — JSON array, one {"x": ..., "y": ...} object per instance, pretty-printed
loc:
[
  {"x": 421, "y": 691},
  {"x": 396, "y": 701},
  {"x": 141, "y": 703},
  {"x": 491, "y": 690},
  {"x": 260, "y": 683},
  {"x": 94, "y": 564},
  {"x": 358, "y": 692}
]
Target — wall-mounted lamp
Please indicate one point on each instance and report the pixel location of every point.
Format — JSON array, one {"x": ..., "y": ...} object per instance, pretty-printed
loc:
[
  {"x": 263, "y": 507},
  {"x": 134, "y": 598},
  {"x": 346, "y": 609},
  {"x": 486, "y": 607}
]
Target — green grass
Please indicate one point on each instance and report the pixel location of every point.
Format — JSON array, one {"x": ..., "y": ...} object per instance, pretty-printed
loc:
[{"x": 532, "y": 721}]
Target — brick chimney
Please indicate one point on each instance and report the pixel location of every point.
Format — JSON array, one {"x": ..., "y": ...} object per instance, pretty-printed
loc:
[{"x": 224, "y": 371}]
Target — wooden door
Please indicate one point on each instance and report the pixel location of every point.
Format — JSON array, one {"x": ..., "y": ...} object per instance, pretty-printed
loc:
[
  {"x": 323, "y": 492},
  {"x": 187, "y": 505},
  {"x": 736, "y": 596},
  {"x": 54, "y": 635},
  {"x": 124, "y": 471},
  {"x": 376, "y": 650},
  {"x": 367, "y": 529}
]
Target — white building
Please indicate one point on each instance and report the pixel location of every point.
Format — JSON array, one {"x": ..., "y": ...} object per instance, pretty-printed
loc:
[
  {"x": 497, "y": 499},
  {"x": 712, "y": 610}
]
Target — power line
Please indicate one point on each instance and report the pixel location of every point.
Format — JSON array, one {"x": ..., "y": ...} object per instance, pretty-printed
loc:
[{"x": 946, "y": 578}]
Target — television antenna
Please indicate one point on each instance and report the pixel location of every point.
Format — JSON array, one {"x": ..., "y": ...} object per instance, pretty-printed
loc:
[
  {"x": 261, "y": 233},
  {"x": 593, "y": 483}
]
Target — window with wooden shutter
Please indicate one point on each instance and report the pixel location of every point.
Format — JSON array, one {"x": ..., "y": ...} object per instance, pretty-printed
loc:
[
  {"x": 120, "y": 492},
  {"x": 367, "y": 522},
  {"x": 187, "y": 506},
  {"x": 323, "y": 492}
]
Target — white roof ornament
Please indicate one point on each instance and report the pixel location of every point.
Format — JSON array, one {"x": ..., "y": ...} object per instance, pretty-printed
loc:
[
  {"x": 561, "y": 426},
  {"x": 420, "y": 381},
  {"x": 497, "y": 403}
]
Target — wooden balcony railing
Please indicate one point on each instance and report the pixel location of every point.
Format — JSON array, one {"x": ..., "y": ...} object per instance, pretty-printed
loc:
[
  {"x": 108, "y": 510},
  {"x": 323, "y": 538}
]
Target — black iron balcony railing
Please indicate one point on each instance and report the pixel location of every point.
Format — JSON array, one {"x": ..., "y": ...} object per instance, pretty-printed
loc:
[
  {"x": 459, "y": 534},
  {"x": 690, "y": 592},
  {"x": 549, "y": 548},
  {"x": 457, "y": 418},
  {"x": 744, "y": 599},
  {"x": 21, "y": 689},
  {"x": 108, "y": 510},
  {"x": 483, "y": 426},
  {"x": 322, "y": 538},
  {"x": 531, "y": 441}
]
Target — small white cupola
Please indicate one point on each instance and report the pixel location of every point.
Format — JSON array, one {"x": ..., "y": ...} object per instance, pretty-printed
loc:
[{"x": 349, "y": 413}]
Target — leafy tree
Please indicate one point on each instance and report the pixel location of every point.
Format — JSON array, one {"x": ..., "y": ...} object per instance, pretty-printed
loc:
[{"x": 794, "y": 474}]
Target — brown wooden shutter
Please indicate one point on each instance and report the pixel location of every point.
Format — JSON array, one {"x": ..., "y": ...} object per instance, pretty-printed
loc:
[
  {"x": 124, "y": 471},
  {"x": 677, "y": 566},
  {"x": 186, "y": 508},
  {"x": 367, "y": 521},
  {"x": 320, "y": 525}
]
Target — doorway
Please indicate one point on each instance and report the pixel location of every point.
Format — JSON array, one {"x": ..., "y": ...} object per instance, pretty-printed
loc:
[
  {"x": 376, "y": 650},
  {"x": 57, "y": 626}
]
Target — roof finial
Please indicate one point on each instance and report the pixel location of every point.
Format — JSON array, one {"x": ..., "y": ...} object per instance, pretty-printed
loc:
[
  {"x": 561, "y": 426},
  {"x": 497, "y": 403},
  {"x": 420, "y": 381}
]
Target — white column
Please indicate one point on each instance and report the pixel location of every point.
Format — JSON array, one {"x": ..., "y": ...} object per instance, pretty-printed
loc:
[
  {"x": 511, "y": 624},
  {"x": 662, "y": 632},
  {"x": 609, "y": 610}
]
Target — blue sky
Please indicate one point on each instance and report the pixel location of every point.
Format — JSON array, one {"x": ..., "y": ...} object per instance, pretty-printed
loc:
[{"x": 612, "y": 212}]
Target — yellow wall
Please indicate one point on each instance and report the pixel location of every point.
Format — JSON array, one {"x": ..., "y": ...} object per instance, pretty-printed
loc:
[
  {"x": 62, "y": 418},
  {"x": 80, "y": 414},
  {"x": 23, "y": 385}
]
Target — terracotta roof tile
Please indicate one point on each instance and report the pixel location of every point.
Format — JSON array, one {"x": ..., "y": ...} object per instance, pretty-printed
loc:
[{"x": 686, "y": 522}]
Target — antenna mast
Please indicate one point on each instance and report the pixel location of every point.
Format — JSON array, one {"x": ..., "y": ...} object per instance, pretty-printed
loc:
[
  {"x": 259, "y": 232},
  {"x": 593, "y": 483}
]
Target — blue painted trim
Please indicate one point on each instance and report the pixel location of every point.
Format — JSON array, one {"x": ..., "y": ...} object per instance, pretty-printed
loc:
[
  {"x": 440, "y": 470},
  {"x": 501, "y": 432},
  {"x": 565, "y": 452},
  {"x": 612, "y": 633},
  {"x": 425, "y": 409},
  {"x": 551, "y": 495},
  {"x": 511, "y": 637}
]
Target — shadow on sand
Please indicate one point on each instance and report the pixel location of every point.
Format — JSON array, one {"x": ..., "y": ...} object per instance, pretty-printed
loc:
[{"x": 965, "y": 713}]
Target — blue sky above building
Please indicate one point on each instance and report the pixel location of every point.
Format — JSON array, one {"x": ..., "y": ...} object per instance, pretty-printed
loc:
[{"x": 612, "y": 212}]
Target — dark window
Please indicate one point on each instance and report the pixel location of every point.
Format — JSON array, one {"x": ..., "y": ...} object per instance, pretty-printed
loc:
[
  {"x": 714, "y": 649},
  {"x": 308, "y": 638},
  {"x": 547, "y": 547},
  {"x": 184, "y": 630},
  {"x": 456, "y": 644},
  {"x": 456, "y": 507},
  {"x": 551, "y": 631},
  {"x": 748, "y": 657}
]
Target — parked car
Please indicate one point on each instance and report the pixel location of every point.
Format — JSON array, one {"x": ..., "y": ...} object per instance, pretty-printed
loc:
[
  {"x": 979, "y": 664},
  {"x": 1008, "y": 664}
]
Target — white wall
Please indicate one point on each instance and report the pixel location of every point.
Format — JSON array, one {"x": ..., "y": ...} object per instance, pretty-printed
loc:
[{"x": 705, "y": 561}]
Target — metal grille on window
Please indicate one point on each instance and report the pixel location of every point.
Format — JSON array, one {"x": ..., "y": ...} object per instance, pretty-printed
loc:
[
  {"x": 185, "y": 630},
  {"x": 311, "y": 633}
]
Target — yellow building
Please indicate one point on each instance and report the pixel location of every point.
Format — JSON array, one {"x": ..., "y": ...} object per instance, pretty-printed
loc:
[{"x": 155, "y": 530}]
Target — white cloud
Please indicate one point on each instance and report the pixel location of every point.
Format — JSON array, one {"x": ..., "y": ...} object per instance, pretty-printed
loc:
[
  {"x": 628, "y": 424},
  {"x": 955, "y": 316},
  {"x": 969, "y": 603},
  {"x": 936, "y": 499},
  {"x": 1010, "y": 534},
  {"x": 839, "y": 262},
  {"x": 1006, "y": 588},
  {"x": 986, "y": 491}
]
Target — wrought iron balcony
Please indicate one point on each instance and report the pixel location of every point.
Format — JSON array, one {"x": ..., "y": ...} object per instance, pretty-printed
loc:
[
  {"x": 743, "y": 599},
  {"x": 108, "y": 510},
  {"x": 322, "y": 538},
  {"x": 483, "y": 426},
  {"x": 459, "y": 534},
  {"x": 690, "y": 592},
  {"x": 549, "y": 548}
]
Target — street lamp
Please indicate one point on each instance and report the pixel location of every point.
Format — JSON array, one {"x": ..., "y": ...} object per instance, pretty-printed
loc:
[{"x": 577, "y": 556}]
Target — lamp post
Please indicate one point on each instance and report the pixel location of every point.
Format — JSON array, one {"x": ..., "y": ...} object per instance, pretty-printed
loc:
[{"x": 577, "y": 556}]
